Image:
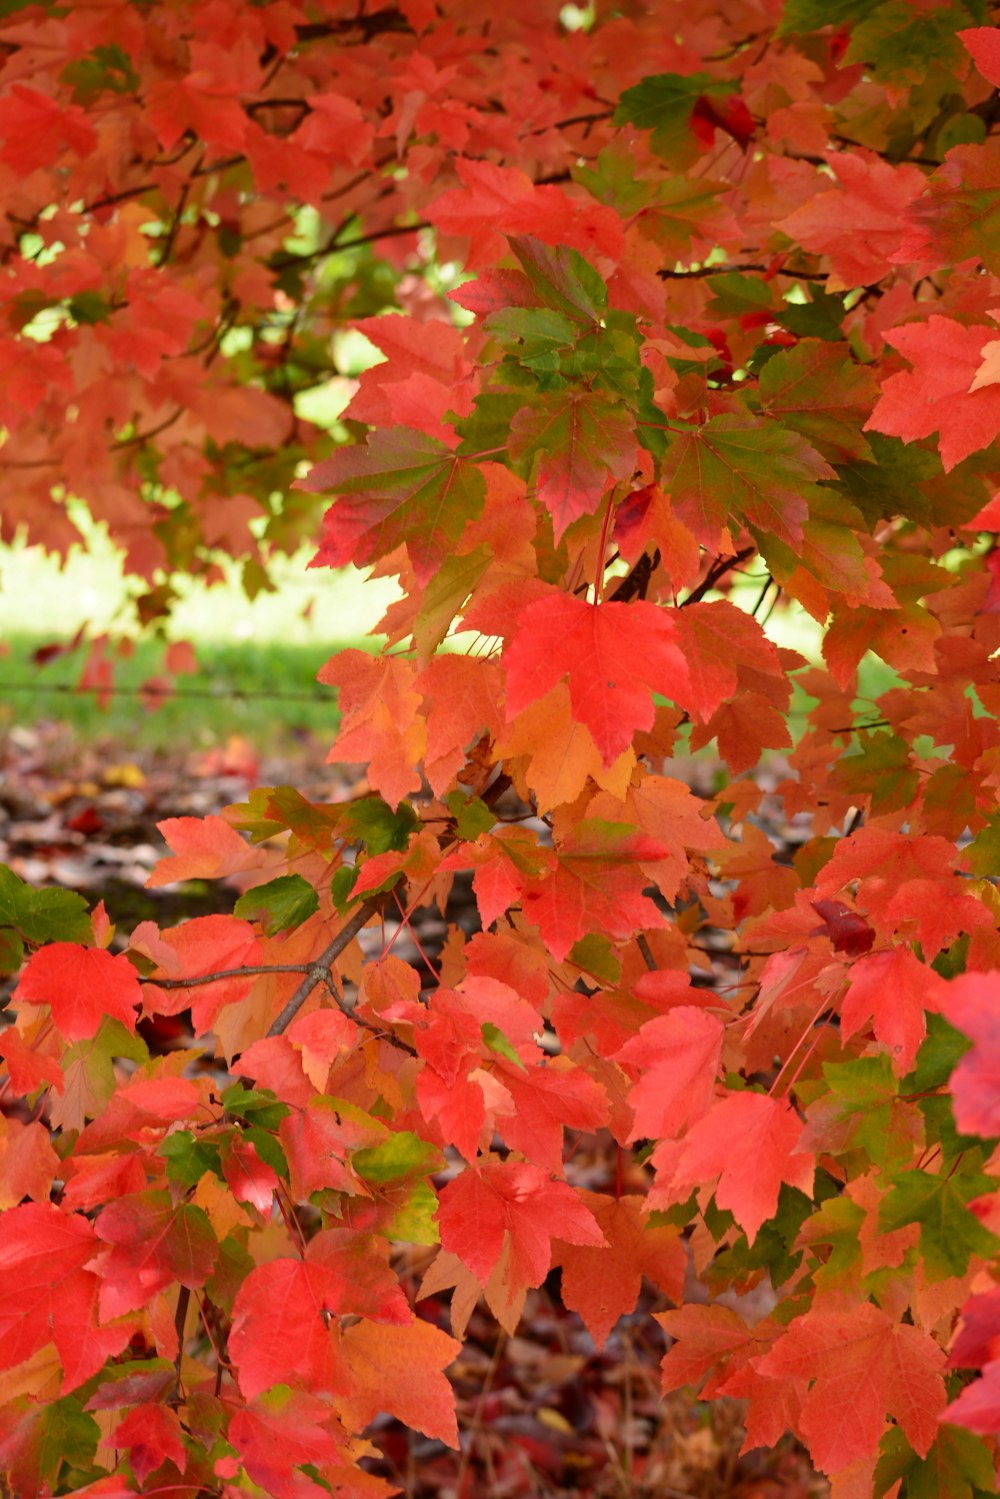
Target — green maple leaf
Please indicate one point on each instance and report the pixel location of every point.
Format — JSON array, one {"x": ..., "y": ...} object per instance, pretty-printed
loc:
[
  {"x": 814, "y": 389},
  {"x": 949, "y": 1233},
  {"x": 280, "y": 905},
  {"x": 371, "y": 821},
  {"x": 663, "y": 104},
  {"x": 736, "y": 467},
  {"x": 47, "y": 915},
  {"x": 856, "y": 1113},
  {"x": 882, "y": 769},
  {"x": 578, "y": 439},
  {"x": 803, "y": 16},
  {"x": 901, "y": 46},
  {"x": 958, "y": 1466}
]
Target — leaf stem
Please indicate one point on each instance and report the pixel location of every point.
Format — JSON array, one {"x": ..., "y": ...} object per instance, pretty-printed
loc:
[{"x": 599, "y": 572}]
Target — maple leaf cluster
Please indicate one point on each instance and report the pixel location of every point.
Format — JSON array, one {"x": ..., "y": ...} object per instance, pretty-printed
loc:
[{"x": 724, "y": 336}]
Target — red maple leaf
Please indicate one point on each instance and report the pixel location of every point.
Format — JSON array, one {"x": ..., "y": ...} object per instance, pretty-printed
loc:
[
  {"x": 280, "y": 1430},
  {"x": 151, "y": 1434},
  {"x": 936, "y": 395},
  {"x": 597, "y": 882},
  {"x": 615, "y": 657},
  {"x": 984, "y": 44},
  {"x": 400, "y": 1370},
  {"x": 282, "y": 1329},
  {"x": 81, "y": 986},
  {"x": 48, "y": 1296},
  {"x": 604, "y": 1284},
  {"x": 677, "y": 1058},
  {"x": 893, "y": 990},
  {"x": 748, "y": 1141},
  {"x": 971, "y": 1005},
  {"x": 516, "y": 1201},
  {"x": 861, "y": 1365}
]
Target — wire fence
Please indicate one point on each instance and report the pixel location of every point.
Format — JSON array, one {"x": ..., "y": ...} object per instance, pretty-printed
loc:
[{"x": 155, "y": 689}]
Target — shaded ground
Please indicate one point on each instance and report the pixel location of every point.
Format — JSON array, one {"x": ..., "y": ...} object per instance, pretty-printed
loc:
[{"x": 543, "y": 1413}]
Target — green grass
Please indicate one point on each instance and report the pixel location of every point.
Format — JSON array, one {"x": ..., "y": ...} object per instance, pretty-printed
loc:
[
  {"x": 258, "y": 658},
  {"x": 264, "y": 691}
]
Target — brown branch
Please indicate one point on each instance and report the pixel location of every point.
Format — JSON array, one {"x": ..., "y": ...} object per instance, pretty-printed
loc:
[
  {"x": 319, "y": 969},
  {"x": 282, "y": 262},
  {"x": 695, "y": 272},
  {"x": 251, "y": 970},
  {"x": 719, "y": 568},
  {"x": 313, "y": 973},
  {"x": 170, "y": 239},
  {"x": 647, "y": 952},
  {"x": 635, "y": 583},
  {"x": 141, "y": 437}
]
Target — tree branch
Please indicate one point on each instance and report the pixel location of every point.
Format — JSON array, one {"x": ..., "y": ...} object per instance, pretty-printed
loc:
[
  {"x": 321, "y": 966},
  {"x": 719, "y": 568},
  {"x": 313, "y": 973}
]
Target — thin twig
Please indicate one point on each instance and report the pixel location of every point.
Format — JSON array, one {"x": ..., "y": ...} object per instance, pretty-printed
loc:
[
  {"x": 251, "y": 970},
  {"x": 647, "y": 952},
  {"x": 719, "y": 568},
  {"x": 180, "y": 1317}
]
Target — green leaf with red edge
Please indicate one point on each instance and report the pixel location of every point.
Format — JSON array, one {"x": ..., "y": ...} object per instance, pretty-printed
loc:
[
  {"x": 561, "y": 278},
  {"x": 814, "y": 390},
  {"x": 37, "y": 1438},
  {"x": 751, "y": 471},
  {"x": 582, "y": 440},
  {"x": 664, "y": 104},
  {"x": 401, "y": 486},
  {"x": 81, "y": 986},
  {"x": 615, "y": 657}
]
